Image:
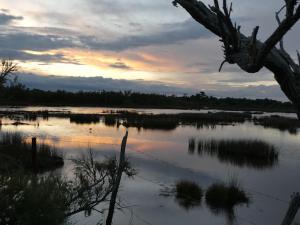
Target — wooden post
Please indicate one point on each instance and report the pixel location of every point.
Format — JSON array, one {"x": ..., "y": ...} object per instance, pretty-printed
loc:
[
  {"x": 292, "y": 211},
  {"x": 34, "y": 155},
  {"x": 117, "y": 181}
]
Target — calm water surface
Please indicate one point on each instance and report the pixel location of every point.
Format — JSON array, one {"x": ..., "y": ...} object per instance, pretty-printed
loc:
[{"x": 162, "y": 158}]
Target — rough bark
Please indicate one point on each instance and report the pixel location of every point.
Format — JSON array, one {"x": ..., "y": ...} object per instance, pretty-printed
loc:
[{"x": 250, "y": 54}]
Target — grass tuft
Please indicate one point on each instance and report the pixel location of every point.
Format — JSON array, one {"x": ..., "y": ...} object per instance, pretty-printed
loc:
[
  {"x": 188, "y": 194},
  {"x": 222, "y": 196},
  {"x": 15, "y": 153}
]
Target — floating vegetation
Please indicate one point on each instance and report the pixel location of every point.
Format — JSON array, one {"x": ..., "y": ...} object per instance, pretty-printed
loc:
[
  {"x": 278, "y": 122},
  {"x": 188, "y": 194},
  {"x": 16, "y": 153},
  {"x": 251, "y": 153}
]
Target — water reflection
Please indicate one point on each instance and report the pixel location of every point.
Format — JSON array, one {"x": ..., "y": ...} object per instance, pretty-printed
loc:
[
  {"x": 250, "y": 153},
  {"x": 221, "y": 199},
  {"x": 149, "y": 148}
]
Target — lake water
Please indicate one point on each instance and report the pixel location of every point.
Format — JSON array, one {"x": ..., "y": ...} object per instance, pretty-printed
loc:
[{"x": 162, "y": 158}]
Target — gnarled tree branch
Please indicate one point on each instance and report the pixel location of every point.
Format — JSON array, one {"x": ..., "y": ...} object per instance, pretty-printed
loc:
[{"x": 250, "y": 54}]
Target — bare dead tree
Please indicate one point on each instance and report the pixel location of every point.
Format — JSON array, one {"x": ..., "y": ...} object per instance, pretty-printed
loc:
[
  {"x": 7, "y": 67},
  {"x": 250, "y": 54}
]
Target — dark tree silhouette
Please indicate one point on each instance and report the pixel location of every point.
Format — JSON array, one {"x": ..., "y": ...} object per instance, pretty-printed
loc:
[
  {"x": 7, "y": 67},
  {"x": 250, "y": 54}
]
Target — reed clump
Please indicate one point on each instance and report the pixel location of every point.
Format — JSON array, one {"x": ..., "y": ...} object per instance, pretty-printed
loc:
[
  {"x": 188, "y": 194},
  {"x": 16, "y": 153},
  {"x": 253, "y": 153},
  {"x": 221, "y": 196},
  {"x": 84, "y": 118},
  {"x": 279, "y": 122}
]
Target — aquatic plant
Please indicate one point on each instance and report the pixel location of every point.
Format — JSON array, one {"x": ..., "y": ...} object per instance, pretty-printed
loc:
[
  {"x": 50, "y": 199},
  {"x": 221, "y": 196},
  {"x": 16, "y": 153},
  {"x": 252, "y": 153},
  {"x": 84, "y": 118},
  {"x": 192, "y": 145},
  {"x": 279, "y": 122},
  {"x": 188, "y": 194}
]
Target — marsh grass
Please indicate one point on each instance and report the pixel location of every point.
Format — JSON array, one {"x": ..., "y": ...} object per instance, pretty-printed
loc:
[
  {"x": 221, "y": 196},
  {"x": 192, "y": 145},
  {"x": 188, "y": 194},
  {"x": 135, "y": 119},
  {"x": 252, "y": 153},
  {"x": 278, "y": 122},
  {"x": 50, "y": 199},
  {"x": 172, "y": 121},
  {"x": 84, "y": 118},
  {"x": 29, "y": 200},
  {"x": 15, "y": 153},
  {"x": 110, "y": 121}
]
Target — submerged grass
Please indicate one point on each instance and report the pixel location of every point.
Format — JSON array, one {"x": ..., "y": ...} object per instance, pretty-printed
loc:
[
  {"x": 15, "y": 153},
  {"x": 252, "y": 153}
]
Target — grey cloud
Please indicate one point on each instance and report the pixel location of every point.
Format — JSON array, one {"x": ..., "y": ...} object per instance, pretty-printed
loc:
[
  {"x": 6, "y": 18},
  {"x": 246, "y": 79},
  {"x": 252, "y": 92},
  {"x": 96, "y": 84},
  {"x": 24, "y": 56},
  {"x": 213, "y": 67},
  {"x": 36, "y": 42},
  {"x": 14, "y": 44},
  {"x": 120, "y": 65},
  {"x": 108, "y": 84},
  {"x": 169, "y": 34},
  {"x": 18, "y": 40}
]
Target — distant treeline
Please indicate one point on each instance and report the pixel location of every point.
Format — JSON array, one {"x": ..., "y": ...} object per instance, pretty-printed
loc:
[{"x": 20, "y": 95}]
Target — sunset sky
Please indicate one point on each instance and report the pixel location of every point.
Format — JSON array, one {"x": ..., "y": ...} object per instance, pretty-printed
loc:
[{"x": 151, "y": 44}]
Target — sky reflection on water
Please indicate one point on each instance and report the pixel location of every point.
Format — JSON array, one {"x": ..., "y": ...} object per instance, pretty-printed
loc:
[{"x": 161, "y": 159}]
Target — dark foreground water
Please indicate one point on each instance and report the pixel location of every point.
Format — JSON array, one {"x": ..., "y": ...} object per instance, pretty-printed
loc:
[{"x": 163, "y": 157}]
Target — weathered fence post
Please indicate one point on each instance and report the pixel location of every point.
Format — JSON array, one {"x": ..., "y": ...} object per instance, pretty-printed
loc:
[
  {"x": 292, "y": 211},
  {"x": 34, "y": 155},
  {"x": 117, "y": 181}
]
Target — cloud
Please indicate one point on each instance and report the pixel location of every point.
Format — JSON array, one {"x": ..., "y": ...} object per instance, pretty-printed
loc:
[
  {"x": 252, "y": 92},
  {"x": 25, "y": 56},
  {"x": 99, "y": 83},
  {"x": 14, "y": 44},
  {"x": 6, "y": 18},
  {"x": 173, "y": 33},
  {"x": 34, "y": 42},
  {"x": 120, "y": 65}
]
